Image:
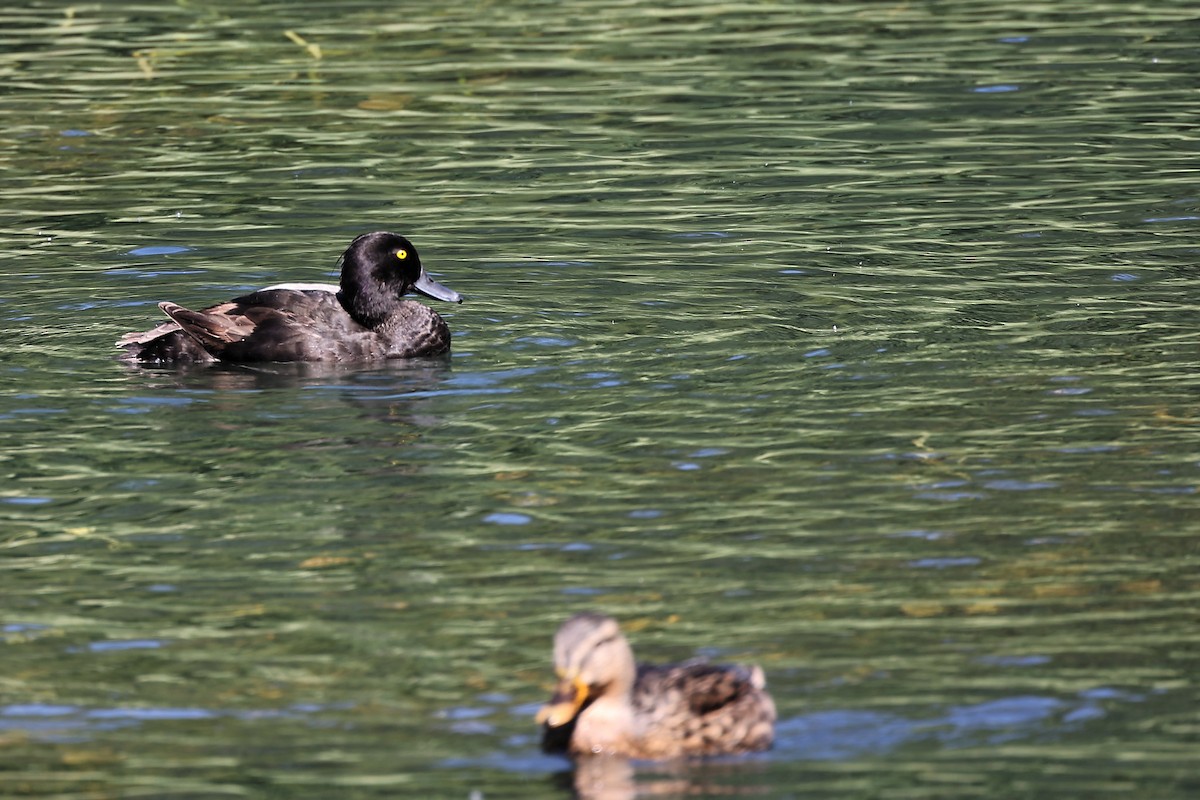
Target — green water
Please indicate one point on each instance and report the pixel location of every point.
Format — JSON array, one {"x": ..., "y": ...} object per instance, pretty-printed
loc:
[{"x": 854, "y": 340}]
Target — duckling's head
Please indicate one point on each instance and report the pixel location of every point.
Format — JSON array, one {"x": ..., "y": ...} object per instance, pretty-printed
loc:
[{"x": 592, "y": 660}]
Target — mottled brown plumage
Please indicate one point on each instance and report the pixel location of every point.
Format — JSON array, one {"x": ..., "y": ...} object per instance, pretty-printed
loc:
[{"x": 605, "y": 703}]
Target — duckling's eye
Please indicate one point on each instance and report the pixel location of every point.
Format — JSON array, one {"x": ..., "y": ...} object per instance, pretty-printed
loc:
[{"x": 401, "y": 254}]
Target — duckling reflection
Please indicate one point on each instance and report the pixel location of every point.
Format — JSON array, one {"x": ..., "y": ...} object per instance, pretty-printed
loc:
[{"x": 605, "y": 703}]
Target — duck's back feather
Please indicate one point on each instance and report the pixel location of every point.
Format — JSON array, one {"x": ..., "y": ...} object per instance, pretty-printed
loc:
[
  {"x": 697, "y": 708},
  {"x": 289, "y": 324}
]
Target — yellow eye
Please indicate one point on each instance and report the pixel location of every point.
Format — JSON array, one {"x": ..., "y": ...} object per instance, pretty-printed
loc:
[{"x": 402, "y": 254}]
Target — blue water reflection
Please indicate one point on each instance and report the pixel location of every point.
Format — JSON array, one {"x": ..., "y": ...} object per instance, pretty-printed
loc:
[
  {"x": 846, "y": 734},
  {"x": 67, "y": 723}
]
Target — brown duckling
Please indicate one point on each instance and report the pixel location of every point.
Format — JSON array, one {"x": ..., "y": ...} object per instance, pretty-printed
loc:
[{"x": 606, "y": 703}]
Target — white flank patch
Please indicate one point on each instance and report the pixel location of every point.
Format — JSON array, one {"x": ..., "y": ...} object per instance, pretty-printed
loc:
[{"x": 305, "y": 287}]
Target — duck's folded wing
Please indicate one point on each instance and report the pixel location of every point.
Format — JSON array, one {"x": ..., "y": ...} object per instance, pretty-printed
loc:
[
  {"x": 144, "y": 337},
  {"x": 708, "y": 708},
  {"x": 268, "y": 325},
  {"x": 215, "y": 327},
  {"x": 712, "y": 687}
]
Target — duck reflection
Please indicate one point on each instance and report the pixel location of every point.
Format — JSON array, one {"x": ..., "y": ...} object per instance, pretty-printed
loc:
[
  {"x": 417, "y": 374},
  {"x": 615, "y": 777},
  {"x": 392, "y": 392}
]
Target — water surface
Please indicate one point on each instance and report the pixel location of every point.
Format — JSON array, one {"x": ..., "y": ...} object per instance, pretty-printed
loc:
[{"x": 854, "y": 340}]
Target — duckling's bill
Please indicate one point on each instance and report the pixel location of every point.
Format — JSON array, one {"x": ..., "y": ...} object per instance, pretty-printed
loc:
[{"x": 569, "y": 696}]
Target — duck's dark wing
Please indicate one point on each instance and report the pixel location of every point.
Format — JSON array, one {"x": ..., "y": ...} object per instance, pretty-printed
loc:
[
  {"x": 273, "y": 324},
  {"x": 706, "y": 709},
  {"x": 270, "y": 325}
]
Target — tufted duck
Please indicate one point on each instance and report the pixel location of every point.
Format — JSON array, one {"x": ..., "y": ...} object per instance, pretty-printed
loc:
[{"x": 364, "y": 319}]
